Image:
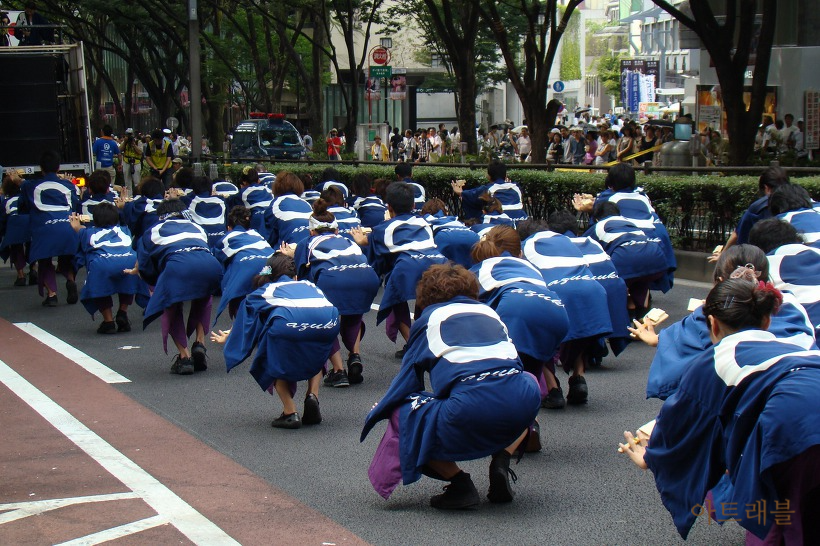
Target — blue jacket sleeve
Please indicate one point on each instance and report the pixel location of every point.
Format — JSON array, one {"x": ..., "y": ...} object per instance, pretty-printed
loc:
[
  {"x": 247, "y": 329},
  {"x": 470, "y": 202}
]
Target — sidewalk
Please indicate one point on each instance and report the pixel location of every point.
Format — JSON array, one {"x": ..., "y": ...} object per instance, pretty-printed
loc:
[{"x": 82, "y": 463}]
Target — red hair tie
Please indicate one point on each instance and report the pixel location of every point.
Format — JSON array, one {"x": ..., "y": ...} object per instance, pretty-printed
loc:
[{"x": 769, "y": 287}]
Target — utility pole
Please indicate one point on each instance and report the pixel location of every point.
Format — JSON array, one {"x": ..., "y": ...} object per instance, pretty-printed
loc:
[{"x": 196, "y": 79}]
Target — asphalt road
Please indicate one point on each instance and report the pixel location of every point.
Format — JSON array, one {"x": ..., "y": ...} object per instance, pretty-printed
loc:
[{"x": 578, "y": 490}]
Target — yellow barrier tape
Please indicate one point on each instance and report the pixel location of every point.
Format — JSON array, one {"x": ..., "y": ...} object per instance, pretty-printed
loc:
[{"x": 633, "y": 156}]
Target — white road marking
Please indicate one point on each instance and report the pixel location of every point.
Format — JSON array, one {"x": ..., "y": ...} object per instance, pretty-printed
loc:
[
  {"x": 117, "y": 532},
  {"x": 20, "y": 510},
  {"x": 195, "y": 526},
  {"x": 89, "y": 364}
]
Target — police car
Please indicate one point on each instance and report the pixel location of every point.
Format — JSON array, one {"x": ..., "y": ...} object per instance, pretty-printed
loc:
[{"x": 267, "y": 136}]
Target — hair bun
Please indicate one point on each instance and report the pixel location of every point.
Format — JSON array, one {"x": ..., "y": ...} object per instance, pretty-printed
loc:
[
  {"x": 745, "y": 272},
  {"x": 320, "y": 207}
]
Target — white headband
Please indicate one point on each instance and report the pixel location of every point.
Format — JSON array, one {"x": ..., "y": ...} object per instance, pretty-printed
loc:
[{"x": 316, "y": 225}]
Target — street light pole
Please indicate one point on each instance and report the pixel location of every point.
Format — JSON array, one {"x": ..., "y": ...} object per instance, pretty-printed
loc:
[{"x": 195, "y": 80}]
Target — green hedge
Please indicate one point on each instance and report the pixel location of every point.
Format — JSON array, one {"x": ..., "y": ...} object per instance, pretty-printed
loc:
[{"x": 699, "y": 211}]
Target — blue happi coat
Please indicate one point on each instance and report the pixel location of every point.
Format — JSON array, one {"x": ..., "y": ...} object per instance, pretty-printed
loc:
[
  {"x": 453, "y": 239},
  {"x": 807, "y": 224},
  {"x": 481, "y": 229},
  {"x": 796, "y": 268},
  {"x": 310, "y": 196},
  {"x": 89, "y": 201},
  {"x": 633, "y": 253},
  {"x": 49, "y": 202},
  {"x": 744, "y": 406},
  {"x": 257, "y": 198},
  {"x": 346, "y": 219},
  {"x": 603, "y": 270},
  {"x": 682, "y": 343},
  {"x": 635, "y": 205},
  {"x": 534, "y": 315},
  {"x": 291, "y": 325},
  {"x": 266, "y": 178},
  {"x": 565, "y": 271},
  {"x": 370, "y": 209},
  {"x": 243, "y": 255},
  {"x": 287, "y": 220},
  {"x": 225, "y": 189},
  {"x": 14, "y": 226},
  {"x": 757, "y": 211},
  {"x": 481, "y": 401},
  {"x": 419, "y": 193},
  {"x": 209, "y": 212},
  {"x": 140, "y": 215},
  {"x": 493, "y": 219},
  {"x": 507, "y": 192},
  {"x": 175, "y": 258},
  {"x": 105, "y": 253},
  {"x": 400, "y": 251},
  {"x": 322, "y": 186},
  {"x": 338, "y": 266}
]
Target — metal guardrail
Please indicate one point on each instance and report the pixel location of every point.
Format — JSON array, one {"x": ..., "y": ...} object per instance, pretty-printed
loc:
[{"x": 549, "y": 167}]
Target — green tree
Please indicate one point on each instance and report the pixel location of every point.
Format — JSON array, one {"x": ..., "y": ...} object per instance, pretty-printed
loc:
[
  {"x": 608, "y": 68},
  {"x": 467, "y": 48},
  {"x": 570, "y": 68},
  {"x": 538, "y": 27}
]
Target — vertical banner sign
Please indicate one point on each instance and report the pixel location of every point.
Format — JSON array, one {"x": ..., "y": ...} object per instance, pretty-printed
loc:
[
  {"x": 638, "y": 77},
  {"x": 812, "y": 126}
]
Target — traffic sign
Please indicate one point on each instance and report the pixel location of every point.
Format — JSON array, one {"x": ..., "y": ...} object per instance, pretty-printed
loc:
[
  {"x": 381, "y": 71},
  {"x": 381, "y": 55},
  {"x": 558, "y": 86},
  {"x": 172, "y": 123}
]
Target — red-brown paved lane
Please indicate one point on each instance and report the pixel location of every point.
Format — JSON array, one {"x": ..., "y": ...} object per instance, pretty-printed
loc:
[{"x": 39, "y": 463}]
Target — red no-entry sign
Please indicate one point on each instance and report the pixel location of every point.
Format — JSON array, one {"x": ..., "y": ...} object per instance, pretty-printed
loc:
[{"x": 381, "y": 55}]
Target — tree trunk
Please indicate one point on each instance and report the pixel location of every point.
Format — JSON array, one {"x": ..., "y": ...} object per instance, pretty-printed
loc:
[
  {"x": 466, "y": 87},
  {"x": 314, "y": 89}
]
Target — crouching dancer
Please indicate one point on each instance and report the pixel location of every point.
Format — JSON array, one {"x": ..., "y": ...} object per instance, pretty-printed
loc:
[
  {"x": 482, "y": 402},
  {"x": 292, "y": 326}
]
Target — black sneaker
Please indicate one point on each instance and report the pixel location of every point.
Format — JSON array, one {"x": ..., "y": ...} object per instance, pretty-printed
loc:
[
  {"x": 330, "y": 377},
  {"x": 554, "y": 399},
  {"x": 32, "y": 277},
  {"x": 182, "y": 366},
  {"x": 340, "y": 380},
  {"x": 500, "y": 474},
  {"x": 72, "y": 296},
  {"x": 355, "y": 368},
  {"x": 311, "y": 414},
  {"x": 20, "y": 282},
  {"x": 578, "y": 392},
  {"x": 123, "y": 324},
  {"x": 461, "y": 494},
  {"x": 107, "y": 327},
  {"x": 199, "y": 355},
  {"x": 400, "y": 352},
  {"x": 287, "y": 421},
  {"x": 50, "y": 301}
]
